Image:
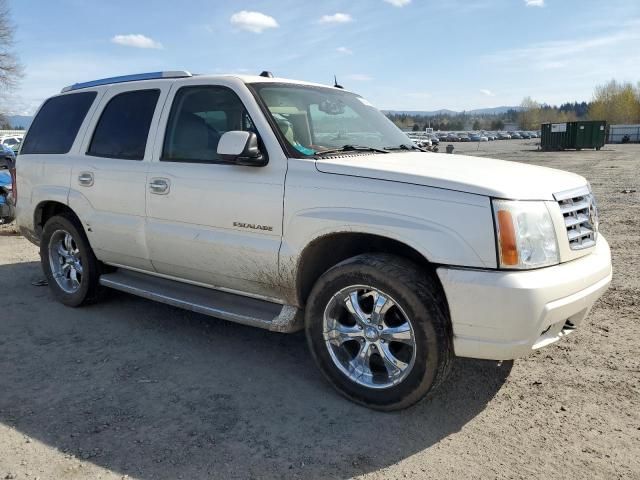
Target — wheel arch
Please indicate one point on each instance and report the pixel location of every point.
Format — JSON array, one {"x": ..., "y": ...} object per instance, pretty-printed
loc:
[
  {"x": 330, "y": 249},
  {"x": 47, "y": 209}
]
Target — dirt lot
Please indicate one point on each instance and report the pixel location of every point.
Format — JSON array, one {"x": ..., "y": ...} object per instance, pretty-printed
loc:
[{"x": 133, "y": 388}]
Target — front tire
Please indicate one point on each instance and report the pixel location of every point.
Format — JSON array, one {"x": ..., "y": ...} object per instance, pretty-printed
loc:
[
  {"x": 68, "y": 261},
  {"x": 377, "y": 329}
]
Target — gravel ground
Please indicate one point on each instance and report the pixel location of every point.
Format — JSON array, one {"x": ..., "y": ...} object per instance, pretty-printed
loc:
[{"x": 131, "y": 388}]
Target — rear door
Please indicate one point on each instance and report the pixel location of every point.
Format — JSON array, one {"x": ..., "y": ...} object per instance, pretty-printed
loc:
[
  {"x": 108, "y": 181},
  {"x": 209, "y": 221}
]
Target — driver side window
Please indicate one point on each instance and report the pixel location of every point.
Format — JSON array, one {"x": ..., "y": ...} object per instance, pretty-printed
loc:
[{"x": 200, "y": 115}]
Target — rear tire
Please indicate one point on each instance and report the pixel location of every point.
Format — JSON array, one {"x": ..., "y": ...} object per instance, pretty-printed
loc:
[
  {"x": 68, "y": 262},
  {"x": 387, "y": 360}
]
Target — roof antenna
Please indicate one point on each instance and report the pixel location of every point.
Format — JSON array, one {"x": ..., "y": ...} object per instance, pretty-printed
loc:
[
  {"x": 335, "y": 83},
  {"x": 266, "y": 74}
]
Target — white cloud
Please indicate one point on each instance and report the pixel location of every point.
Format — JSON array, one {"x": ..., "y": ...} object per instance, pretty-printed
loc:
[
  {"x": 336, "y": 18},
  {"x": 344, "y": 50},
  {"x": 556, "y": 71},
  {"x": 486, "y": 92},
  {"x": 398, "y": 3},
  {"x": 136, "y": 40},
  {"x": 359, "y": 77},
  {"x": 534, "y": 3},
  {"x": 255, "y": 22},
  {"x": 559, "y": 53}
]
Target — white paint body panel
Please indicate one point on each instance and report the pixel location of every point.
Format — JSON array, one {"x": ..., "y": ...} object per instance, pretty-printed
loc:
[
  {"x": 502, "y": 315},
  {"x": 190, "y": 232},
  {"x": 113, "y": 208},
  {"x": 232, "y": 143},
  {"x": 445, "y": 226},
  {"x": 483, "y": 176}
]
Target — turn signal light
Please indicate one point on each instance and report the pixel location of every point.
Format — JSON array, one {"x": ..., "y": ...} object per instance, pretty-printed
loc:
[{"x": 507, "y": 238}]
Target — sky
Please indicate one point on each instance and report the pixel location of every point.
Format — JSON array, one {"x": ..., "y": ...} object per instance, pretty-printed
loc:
[{"x": 399, "y": 54}]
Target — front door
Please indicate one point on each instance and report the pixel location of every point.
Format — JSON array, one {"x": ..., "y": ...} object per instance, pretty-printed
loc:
[{"x": 208, "y": 221}]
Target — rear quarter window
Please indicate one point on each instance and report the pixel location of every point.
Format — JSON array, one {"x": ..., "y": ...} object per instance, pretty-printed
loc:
[{"x": 55, "y": 127}]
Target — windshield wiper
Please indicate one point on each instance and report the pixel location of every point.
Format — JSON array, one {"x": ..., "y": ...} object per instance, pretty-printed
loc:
[
  {"x": 405, "y": 147},
  {"x": 352, "y": 148}
]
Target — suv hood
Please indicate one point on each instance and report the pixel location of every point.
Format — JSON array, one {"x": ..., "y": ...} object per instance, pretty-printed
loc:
[{"x": 479, "y": 175}]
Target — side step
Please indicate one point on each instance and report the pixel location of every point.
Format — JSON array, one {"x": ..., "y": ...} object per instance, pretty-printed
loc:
[{"x": 228, "y": 306}]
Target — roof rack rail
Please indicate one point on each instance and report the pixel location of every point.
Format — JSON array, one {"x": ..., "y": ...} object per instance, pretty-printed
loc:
[{"x": 128, "y": 78}]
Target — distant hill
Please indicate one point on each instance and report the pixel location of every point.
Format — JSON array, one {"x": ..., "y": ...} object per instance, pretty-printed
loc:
[
  {"x": 444, "y": 111},
  {"x": 18, "y": 121}
]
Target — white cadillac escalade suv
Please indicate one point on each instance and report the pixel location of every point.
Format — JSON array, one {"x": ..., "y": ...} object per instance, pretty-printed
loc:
[{"x": 287, "y": 205}]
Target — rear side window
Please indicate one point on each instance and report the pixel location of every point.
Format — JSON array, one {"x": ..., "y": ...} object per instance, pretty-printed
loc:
[
  {"x": 55, "y": 127},
  {"x": 123, "y": 128}
]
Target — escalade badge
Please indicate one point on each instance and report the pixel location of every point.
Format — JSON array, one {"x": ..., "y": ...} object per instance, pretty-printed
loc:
[{"x": 253, "y": 226}]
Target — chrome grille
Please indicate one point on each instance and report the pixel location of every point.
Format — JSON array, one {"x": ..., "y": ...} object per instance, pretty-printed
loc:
[{"x": 580, "y": 214}]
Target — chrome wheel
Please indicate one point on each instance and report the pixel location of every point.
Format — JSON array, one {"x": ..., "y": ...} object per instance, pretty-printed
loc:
[
  {"x": 65, "y": 261},
  {"x": 369, "y": 337}
]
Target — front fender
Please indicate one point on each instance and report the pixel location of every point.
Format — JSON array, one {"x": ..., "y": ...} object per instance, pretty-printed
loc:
[{"x": 437, "y": 242}]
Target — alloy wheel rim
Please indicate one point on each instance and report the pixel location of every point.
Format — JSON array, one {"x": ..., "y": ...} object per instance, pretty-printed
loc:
[
  {"x": 65, "y": 261},
  {"x": 369, "y": 337}
]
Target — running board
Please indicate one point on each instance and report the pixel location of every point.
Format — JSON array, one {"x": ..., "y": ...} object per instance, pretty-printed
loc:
[{"x": 228, "y": 306}]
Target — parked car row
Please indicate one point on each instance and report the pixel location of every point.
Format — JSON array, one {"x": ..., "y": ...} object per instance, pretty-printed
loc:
[
  {"x": 484, "y": 136},
  {"x": 423, "y": 139}
]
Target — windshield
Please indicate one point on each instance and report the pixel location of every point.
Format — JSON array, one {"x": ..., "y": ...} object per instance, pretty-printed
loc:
[{"x": 317, "y": 119}]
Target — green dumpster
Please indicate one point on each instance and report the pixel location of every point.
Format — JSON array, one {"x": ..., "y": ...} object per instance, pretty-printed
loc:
[{"x": 573, "y": 135}]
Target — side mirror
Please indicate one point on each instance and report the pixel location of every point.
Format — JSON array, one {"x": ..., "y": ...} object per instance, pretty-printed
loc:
[{"x": 241, "y": 148}]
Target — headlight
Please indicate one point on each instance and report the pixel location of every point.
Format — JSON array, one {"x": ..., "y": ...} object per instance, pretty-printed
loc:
[{"x": 525, "y": 234}]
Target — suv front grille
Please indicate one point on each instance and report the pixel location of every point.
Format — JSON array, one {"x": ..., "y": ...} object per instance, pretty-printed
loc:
[{"x": 580, "y": 214}]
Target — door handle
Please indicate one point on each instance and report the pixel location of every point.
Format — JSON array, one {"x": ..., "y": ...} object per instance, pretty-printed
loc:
[
  {"x": 85, "y": 179},
  {"x": 159, "y": 186}
]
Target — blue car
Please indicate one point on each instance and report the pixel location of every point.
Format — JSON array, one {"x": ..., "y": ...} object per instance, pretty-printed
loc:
[
  {"x": 6, "y": 205},
  {"x": 7, "y": 161},
  {"x": 7, "y": 157}
]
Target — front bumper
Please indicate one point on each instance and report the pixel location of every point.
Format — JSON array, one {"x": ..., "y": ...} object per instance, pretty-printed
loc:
[{"x": 503, "y": 315}]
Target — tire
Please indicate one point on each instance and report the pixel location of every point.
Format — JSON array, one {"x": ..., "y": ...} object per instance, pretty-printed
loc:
[
  {"x": 418, "y": 365},
  {"x": 82, "y": 260}
]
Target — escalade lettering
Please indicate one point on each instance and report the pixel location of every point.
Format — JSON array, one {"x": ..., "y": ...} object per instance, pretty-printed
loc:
[{"x": 253, "y": 226}]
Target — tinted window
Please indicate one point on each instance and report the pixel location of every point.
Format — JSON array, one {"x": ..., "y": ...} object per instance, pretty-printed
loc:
[
  {"x": 199, "y": 116},
  {"x": 55, "y": 127},
  {"x": 123, "y": 128}
]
